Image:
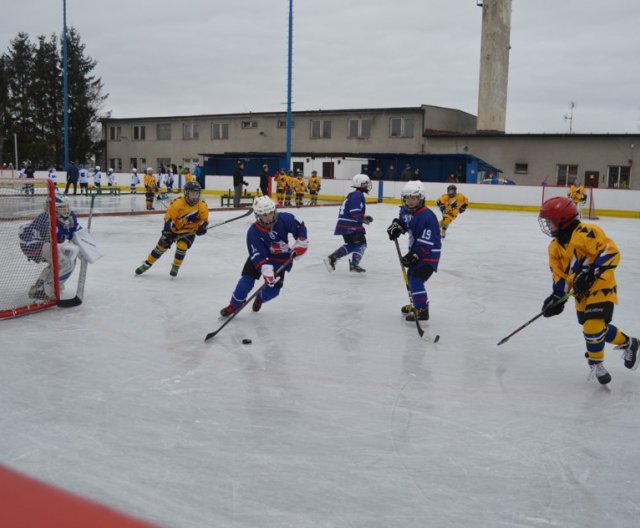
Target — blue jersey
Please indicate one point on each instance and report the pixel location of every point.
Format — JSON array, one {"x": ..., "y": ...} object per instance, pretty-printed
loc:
[
  {"x": 424, "y": 235},
  {"x": 272, "y": 246},
  {"x": 34, "y": 235},
  {"x": 351, "y": 214}
]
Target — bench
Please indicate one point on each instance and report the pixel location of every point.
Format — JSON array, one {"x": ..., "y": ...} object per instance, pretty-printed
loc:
[
  {"x": 245, "y": 199},
  {"x": 104, "y": 190}
]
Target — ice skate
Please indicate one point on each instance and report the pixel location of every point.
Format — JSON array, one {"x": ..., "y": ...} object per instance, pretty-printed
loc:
[
  {"x": 174, "y": 270},
  {"x": 330, "y": 262},
  {"x": 355, "y": 268},
  {"x": 407, "y": 309},
  {"x": 423, "y": 314},
  {"x": 257, "y": 304},
  {"x": 226, "y": 311},
  {"x": 599, "y": 372},
  {"x": 630, "y": 353},
  {"x": 142, "y": 268}
]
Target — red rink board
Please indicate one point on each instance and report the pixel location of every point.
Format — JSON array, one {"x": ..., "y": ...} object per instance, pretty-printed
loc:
[{"x": 27, "y": 503}]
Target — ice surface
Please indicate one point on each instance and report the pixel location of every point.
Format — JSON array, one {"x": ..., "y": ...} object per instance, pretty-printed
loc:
[{"x": 337, "y": 415}]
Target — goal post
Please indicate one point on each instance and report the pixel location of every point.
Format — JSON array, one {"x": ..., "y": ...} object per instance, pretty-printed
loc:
[
  {"x": 586, "y": 209},
  {"x": 29, "y": 280}
]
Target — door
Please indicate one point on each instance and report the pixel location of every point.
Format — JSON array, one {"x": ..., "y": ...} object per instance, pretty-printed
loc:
[
  {"x": 327, "y": 170},
  {"x": 591, "y": 178}
]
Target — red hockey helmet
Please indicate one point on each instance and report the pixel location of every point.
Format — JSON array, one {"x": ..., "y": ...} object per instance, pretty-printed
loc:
[{"x": 555, "y": 214}]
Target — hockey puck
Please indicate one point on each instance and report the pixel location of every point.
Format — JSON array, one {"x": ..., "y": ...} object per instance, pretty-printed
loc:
[
  {"x": 436, "y": 339},
  {"x": 246, "y": 341}
]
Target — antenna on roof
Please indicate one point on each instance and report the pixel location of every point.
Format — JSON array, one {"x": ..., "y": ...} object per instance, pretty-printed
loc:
[{"x": 569, "y": 117}]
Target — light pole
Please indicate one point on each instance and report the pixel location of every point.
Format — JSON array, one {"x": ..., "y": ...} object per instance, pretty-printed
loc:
[
  {"x": 289, "y": 75},
  {"x": 65, "y": 85}
]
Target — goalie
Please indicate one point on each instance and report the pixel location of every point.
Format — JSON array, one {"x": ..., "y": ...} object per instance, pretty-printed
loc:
[{"x": 35, "y": 244}]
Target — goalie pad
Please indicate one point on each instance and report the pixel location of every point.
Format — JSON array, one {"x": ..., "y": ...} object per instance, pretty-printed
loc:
[{"x": 87, "y": 245}]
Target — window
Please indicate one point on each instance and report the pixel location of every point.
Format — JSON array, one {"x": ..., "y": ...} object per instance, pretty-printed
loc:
[
  {"x": 220, "y": 131},
  {"x": 401, "y": 127},
  {"x": 133, "y": 163},
  {"x": 163, "y": 131},
  {"x": 114, "y": 133},
  {"x": 249, "y": 124},
  {"x": 566, "y": 174},
  {"x": 143, "y": 163},
  {"x": 115, "y": 164},
  {"x": 139, "y": 133},
  {"x": 190, "y": 131},
  {"x": 359, "y": 128},
  {"x": 282, "y": 123},
  {"x": 320, "y": 129},
  {"x": 164, "y": 162},
  {"x": 521, "y": 168},
  {"x": 618, "y": 176}
]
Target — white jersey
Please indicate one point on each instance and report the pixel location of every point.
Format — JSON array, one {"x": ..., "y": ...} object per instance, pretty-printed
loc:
[
  {"x": 97, "y": 177},
  {"x": 161, "y": 180},
  {"x": 111, "y": 177},
  {"x": 83, "y": 176},
  {"x": 22, "y": 173},
  {"x": 53, "y": 176},
  {"x": 135, "y": 179}
]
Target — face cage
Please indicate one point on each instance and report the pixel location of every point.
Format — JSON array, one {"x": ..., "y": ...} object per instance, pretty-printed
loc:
[
  {"x": 268, "y": 225},
  {"x": 189, "y": 200},
  {"x": 545, "y": 227}
]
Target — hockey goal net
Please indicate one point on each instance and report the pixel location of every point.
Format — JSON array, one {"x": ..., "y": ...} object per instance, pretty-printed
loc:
[
  {"x": 28, "y": 251},
  {"x": 586, "y": 209}
]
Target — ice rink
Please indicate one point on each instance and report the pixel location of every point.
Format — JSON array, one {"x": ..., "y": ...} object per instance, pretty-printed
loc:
[{"x": 338, "y": 414}]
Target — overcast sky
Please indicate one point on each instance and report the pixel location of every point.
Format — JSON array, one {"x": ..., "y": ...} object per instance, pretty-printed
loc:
[{"x": 189, "y": 57}]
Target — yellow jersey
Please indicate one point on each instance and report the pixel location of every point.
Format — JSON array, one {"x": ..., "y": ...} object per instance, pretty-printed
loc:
[{"x": 183, "y": 218}]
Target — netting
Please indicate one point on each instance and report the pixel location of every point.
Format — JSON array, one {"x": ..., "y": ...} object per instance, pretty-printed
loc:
[{"x": 25, "y": 246}]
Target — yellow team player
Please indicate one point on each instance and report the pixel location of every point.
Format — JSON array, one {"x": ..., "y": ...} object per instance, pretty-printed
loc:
[
  {"x": 186, "y": 217},
  {"x": 288, "y": 191},
  {"x": 451, "y": 204},
  {"x": 578, "y": 195},
  {"x": 188, "y": 176},
  {"x": 150, "y": 183},
  {"x": 281, "y": 186},
  {"x": 299, "y": 186},
  {"x": 583, "y": 260},
  {"x": 314, "y": 185}
]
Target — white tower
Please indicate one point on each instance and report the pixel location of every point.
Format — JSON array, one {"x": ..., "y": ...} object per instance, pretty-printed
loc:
[{"x": 494, "y": 65}]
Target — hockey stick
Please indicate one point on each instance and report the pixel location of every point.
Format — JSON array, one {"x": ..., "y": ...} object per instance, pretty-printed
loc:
[
  {"x": 211, "y": 335},
  {"x": 82, "y": 276},
  {"x": 222, "y": 223},
  {"x": 559, "y": 301},
  {"x": 406, "y": 282}
]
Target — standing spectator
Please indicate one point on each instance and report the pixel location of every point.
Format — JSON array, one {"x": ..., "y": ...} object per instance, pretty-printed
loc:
[
  {"x": 391, "y": 174},
  {"x": 72, "y": 178},
  {"x": 83, "y": 179},
  {"x": 351, "y": 218},
  {"x": 460, "y": 177},
  {"x": 264, "y": 180},
  {"x": 583, "y": 260},
  {"x": 238, "y": 182},
  {"x": 199, "y": 174},
  {"x": 416, "y": 175},
  {"x": 452, "y": 178},
  {"x": 422, "y": 260},
  {"x": 29, "y": 172},
  {"x": 407, "y": 173},
  {"x": 377, "y": 174}
]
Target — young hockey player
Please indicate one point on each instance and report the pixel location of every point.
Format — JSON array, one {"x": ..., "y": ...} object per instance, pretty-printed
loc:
[
  {"x": 451, "y": 204},
  {"x": 299, "y": 186},
  {"x": 583, "y": 259},
  {"x": 97, "y": 179},
  {"x": 34, "y": 242},
  {"x": 424, "y": 246},
  {"x": 315, "y": 183},
  {"x": 577, "y": 194},
  {"x": 135, "y": 181},
  {"x": 281, "y": 186},
  {"x": 350, "y": 225},
  {"x": 150, "y": 188},
  {"x": 111, "y": 180},
  {"x": 269, "y": 251},
  {"x": 83, "y": 179},
  {"x": 186, "y": 217}
]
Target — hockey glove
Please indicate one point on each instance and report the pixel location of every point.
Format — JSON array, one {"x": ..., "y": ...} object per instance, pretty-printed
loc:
[
  {"x": 463, "y": 208},
  {"x": 167, "y": 238},
  {"x": 245, "y": 183},
  {"x": 442, "y": 208},
  {"x": 583, "y": 282},
  {"x": 268, "y": 275},
  {"x": 410, "y": 258},
  {"x": 367, "y": 220},
  {"x": 551, "y": 306},
  {"x": 300, "y": 248},
  {"x": 202, "y": 230},
  {"x": 395, "y": 230}
]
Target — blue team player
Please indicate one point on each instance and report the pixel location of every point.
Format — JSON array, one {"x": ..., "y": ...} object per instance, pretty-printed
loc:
[
  {"x": 424, "y": 246},
  {"x": 269, "y": 253},
  {"x": 350, "y": 225}
]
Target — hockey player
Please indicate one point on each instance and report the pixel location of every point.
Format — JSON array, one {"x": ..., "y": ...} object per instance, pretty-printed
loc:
[
  {"x": 315, "y": 183},
  {"x": 34, "y": 242},
  {"x": 299, "y": 186},
  {"x": 451, "y": 204},
  {"x": 150, "y": 188},
  {"x": 53, "y": 177},
  {"x": 281, "y": 186},
  {"x": 168, "y": 181},
  {"x": 186, "y": 217},
  {"x": 421, "y": 261},
  {"x": 111, "y": 180},
  {"x": 269, "y": 251},
  {"x": 583, "y": 259},
  {"x": 577, "y": 194},
  {"x": 135, "y": 181},
  {"x": 350, "y": 225},
  {"x": 97, "y": 179},
  {"x": 83, "y": 179}
]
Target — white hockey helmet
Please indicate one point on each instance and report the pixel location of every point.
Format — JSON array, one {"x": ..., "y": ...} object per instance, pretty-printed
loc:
[
  {"x": 264, "y": 206},
  {"x": 362, "y": 182},
  {"x": 413, "y": 188},
  {"x": 97, "y": 167},
  {"x": 134, "y": 170},
  {"x": 149, "y": 170},
  {"x": 63, "y": 210}
]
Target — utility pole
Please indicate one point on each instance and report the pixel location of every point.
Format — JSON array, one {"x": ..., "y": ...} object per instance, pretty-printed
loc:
[
  {"x": 65, "y": 85},
  {"x": 569, "y": 117},
  {"x": 289, "y": 75}
]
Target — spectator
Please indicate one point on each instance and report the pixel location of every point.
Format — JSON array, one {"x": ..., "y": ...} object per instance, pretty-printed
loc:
[
  {"x": 407, "y": 173},
  {"x": 238, "y": 182},
  {"x": 460, "y": 177},
  {"x": 264, "y": 180},
  {"x": 452, "y": 178},
  {"x": 391, "y": 175},
  {"x": 377, "y": 174},
  {"x": 73, "y": 173},
  {"x": 416, "y": 175}
]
